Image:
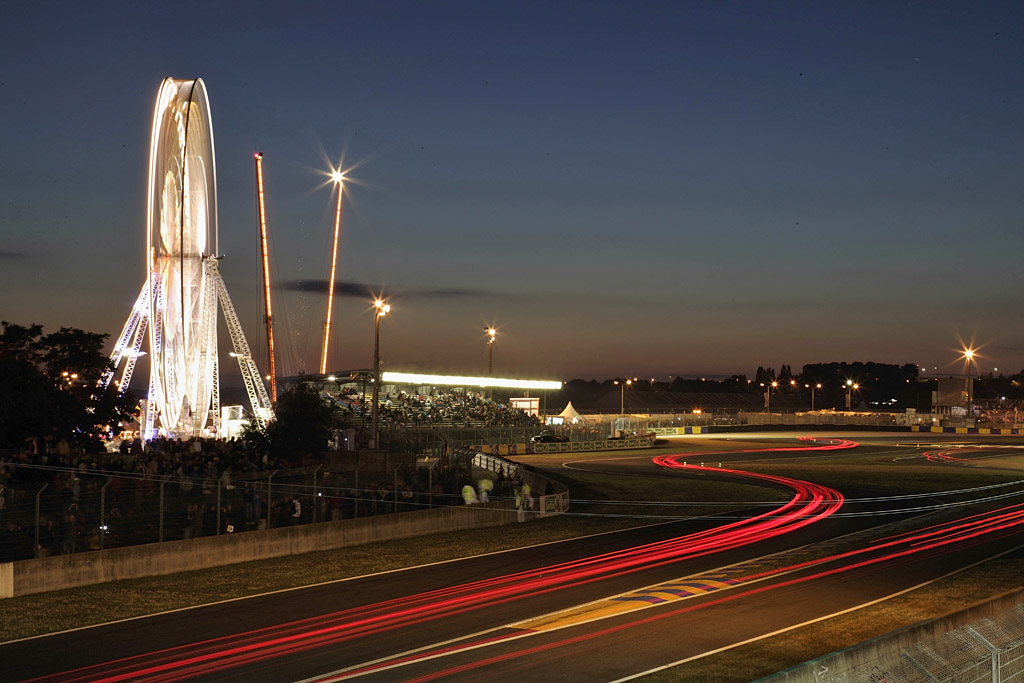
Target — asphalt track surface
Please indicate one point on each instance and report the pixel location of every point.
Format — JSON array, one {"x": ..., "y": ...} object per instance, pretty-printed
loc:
[{"x": 607, "y": 628}]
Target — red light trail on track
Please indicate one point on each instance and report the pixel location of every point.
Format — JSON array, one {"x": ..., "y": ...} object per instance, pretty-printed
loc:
[
  {"x": 810, "y": 503},
  {"x": 897, "y": 549}
]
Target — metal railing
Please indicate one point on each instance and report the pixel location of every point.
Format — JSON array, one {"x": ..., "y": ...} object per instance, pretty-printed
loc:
[
  {"x": 62, "y": 511},
  {"x": 986, "y": 650}
]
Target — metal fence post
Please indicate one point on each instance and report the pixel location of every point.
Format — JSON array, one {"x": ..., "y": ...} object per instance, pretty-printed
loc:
[
  {"x": 39, "y": 493},
  {"x": 355, "y": 499},
  {"x": 218, "y": 505},
  {"x": 316, "y": 496},
  {"x": 163, "y": 482},
  {"x": 997, "y": 675},
  {"x": 270, "y": 505},
  {"x": 396, "y": 490},
  {"x": 103, "y": 508}
]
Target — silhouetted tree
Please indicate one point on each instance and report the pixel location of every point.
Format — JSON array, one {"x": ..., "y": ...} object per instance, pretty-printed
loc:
[
  {"x": 48, "y": 387},
  {"x": 302, "y": 425}
]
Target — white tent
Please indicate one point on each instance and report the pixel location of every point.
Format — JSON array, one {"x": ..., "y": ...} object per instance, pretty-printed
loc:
[{"x": 570, "y": 414}]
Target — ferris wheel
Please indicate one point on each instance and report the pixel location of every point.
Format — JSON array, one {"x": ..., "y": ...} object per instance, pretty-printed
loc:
[
  {"x": 181, "y": 236},
  {"x": 178, "y": 302}
]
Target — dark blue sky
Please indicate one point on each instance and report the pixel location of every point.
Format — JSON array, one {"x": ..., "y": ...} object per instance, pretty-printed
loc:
[{"x": 621, "y": 188}]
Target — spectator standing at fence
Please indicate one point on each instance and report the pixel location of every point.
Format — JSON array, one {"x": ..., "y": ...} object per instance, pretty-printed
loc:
[
  {"x": 257, "y": 502},
  {"x": 296, "y": 511},
  {"x": 527, "y": 497},
  {"x": 210, "y": 520},
  {"x": 484, "y": 486},
  {"x": 185, "y": 522},
  {"x": 70, "y": 533}
]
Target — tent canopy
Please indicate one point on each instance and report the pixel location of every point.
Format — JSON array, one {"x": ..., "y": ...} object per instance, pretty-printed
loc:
[{"x": 569, "y": 413}]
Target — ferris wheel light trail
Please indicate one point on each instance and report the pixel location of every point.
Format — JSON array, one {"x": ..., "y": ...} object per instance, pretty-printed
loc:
[
  {"x": 266, "y": 275},
  {"x": 181, "y": 237},
  {"x": 338, "y": 178}
]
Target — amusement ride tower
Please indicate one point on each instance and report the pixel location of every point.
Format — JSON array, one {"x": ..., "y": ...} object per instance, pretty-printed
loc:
[{"x": 178, "y": 302}]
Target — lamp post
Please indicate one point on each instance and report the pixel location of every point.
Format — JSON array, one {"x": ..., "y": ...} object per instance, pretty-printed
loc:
[
  {"x": 768, "y": 396},
  {"x": 850, "y": 386},
  {"x": 968, "y": 388},
  {"x": 812, "y": 388},
  {"x": 380, "y": 310},
  {"x": 338, "y": 179},
  {"x": 622, "y": 395},
  {"x": 491, "y": 332}
]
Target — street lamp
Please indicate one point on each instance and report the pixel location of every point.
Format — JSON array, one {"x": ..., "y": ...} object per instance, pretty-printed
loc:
[
  {"x": 622, "y": 395},
  {"x": 768, "y": 396},
  {"x": 491, "y": 332},
  {"x": 968, "y": 357},
  {"x": 850, "y": 386},
  {"x": 380, "y": 310},
  {"x": 339, "y": 179},
  {"x": 812, "y": 388}
]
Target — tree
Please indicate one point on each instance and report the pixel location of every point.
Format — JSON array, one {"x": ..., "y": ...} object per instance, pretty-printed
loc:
[
  {"x": 302, "y": 425},
  {"x": 49, "y": 387}
]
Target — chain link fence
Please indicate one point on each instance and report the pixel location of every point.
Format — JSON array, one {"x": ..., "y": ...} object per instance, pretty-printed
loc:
[
  {"x": 50, "y": 510},
  {"x": 986, "y": 650}
]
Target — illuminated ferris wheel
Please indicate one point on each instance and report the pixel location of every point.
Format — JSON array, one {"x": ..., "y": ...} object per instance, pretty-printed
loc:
[
  {"x": 178, "y": 302},
  {"x": 181, "y": 236}
]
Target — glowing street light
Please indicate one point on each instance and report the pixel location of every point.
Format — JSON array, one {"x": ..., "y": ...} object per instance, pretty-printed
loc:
[
  {"x": 968, "y": 386},
  {"x": 768, "y": 396},
  {"x": 380, "y": 310},
  {"x": 850, "y": 386},
  {"x": 622, "y": 395},
  {"x": 491, "y": 332},
  {"x": 812, "y": 388}
]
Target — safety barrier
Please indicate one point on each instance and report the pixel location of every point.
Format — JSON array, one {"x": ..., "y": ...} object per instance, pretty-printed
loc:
[
  {"x": 570, "y": 446},
  {"x": 968, "y": 430},
  {"x": 983, "y": 643}
]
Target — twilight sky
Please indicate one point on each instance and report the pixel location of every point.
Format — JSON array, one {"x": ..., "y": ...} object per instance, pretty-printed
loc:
[{"x": 622, "y": 188}]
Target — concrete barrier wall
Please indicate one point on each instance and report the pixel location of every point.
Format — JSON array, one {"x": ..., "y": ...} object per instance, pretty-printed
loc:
[
  {"x": 845, "y": 666},
  {"x": 25, "y": 577}
]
